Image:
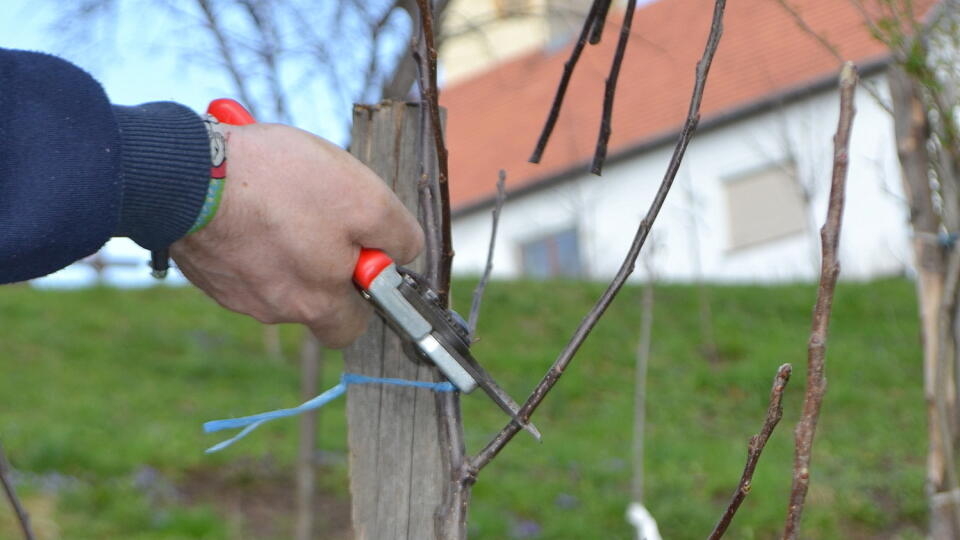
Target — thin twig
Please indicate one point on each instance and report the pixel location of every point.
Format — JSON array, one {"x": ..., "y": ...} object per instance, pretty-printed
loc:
[
  {"x": 22, "y": 517},
  {"x": 588, "y": 322},
  {"x": 482, "y": 285},
  {"x": 599, "y": 22},
  {"x": 830, "y": 48},
  {"x": 610, "y": 90},
  {"x": 311, "y": 367},
  {"x": 450, "y": 517},
  {"x": 757, "y": 443},
  {"x": 644, "y": 348},
  {"x": 226, "y": 52},
  {"x": 432, "y": 94},
  {"x": 829, "y": 271},
  {"x": 268, "y": 49},
  {"x": 427, "y": 185},
  {"x": 568, "y": 67}
]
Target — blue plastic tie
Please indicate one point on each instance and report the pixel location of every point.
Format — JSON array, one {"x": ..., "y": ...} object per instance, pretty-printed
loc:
[{"x": 250, "y": 423}]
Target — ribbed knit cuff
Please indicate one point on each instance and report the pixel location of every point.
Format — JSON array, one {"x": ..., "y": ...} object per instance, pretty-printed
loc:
[{"x": 165, "y": 158}]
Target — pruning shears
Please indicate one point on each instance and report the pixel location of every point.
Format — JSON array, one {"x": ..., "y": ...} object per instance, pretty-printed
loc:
[{"x": 408, "y": 305}]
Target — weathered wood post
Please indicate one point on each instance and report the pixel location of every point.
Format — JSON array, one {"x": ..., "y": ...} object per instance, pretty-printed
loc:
[{"x": 401, "y": 471}]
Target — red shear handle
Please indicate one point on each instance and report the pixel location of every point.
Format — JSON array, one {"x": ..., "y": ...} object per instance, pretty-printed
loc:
[
  {"x": 230, "y": 112},
  {"x": 369, "y": 266}
]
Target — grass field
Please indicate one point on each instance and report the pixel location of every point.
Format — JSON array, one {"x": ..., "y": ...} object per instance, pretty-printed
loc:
[{"x": 103, "y": 392}]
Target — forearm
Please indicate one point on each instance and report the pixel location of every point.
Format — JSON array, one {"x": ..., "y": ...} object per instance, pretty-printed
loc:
[{"x": 75, "y": 170}]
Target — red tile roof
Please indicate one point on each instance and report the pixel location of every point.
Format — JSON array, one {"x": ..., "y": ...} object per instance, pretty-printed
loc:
[{"x": 493, "y": 119}]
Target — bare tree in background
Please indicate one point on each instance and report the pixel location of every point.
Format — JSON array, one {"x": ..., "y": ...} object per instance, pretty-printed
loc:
[
  {"x": 637, "y": 513},
  {"x": 923, "y": 79},
  {"x": 280, "y": 55}
]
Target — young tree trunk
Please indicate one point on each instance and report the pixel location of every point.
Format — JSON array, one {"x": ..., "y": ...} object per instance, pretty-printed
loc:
[
  {"x": 403, "y": 480},
  {"x": 311, "y": 358},
  {"x": 912, "y": 131}
]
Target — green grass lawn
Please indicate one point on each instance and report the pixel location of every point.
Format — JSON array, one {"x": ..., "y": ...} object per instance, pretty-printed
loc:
[{"x": 103, "y": 392}]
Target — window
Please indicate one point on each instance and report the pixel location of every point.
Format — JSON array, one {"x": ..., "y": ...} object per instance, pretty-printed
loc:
[
  {"x": 764, "y": 206},
  {"x": 554, "y": 255}
]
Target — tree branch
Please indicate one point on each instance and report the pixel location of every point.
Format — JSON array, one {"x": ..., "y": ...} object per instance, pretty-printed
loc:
[
  {"x": 755, "y": 448},
  {"x": 568, "y": 68},
  {"x": 831, "y": 48},
  {"x": 580, "y": 335},
  {"x": 829, "y": 271},
  {"x": 599, "y": 22},
  {"x": 644, "y": 348},
  {"x": 427, "y": 186},
  {"x": 268, "y": 49},
  {"x": 611, "y": 88},
  {"x": 22, "y": 516},
  {"x": 450, "y": 517},
  {"x": 432, "y": 95},
  {"x": 226, "y": 53},
  {"x": 482, "y": 285}
]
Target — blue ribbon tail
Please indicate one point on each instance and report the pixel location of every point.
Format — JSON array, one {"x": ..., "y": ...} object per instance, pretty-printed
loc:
[{"x": 250, "y": 423}]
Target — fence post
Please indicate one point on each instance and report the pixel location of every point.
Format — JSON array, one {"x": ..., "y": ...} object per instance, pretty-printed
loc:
[{"x": 400, "y": 472}]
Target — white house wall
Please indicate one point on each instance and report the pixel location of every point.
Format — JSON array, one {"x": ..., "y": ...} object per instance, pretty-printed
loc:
[{"x": 606, "y": 210}]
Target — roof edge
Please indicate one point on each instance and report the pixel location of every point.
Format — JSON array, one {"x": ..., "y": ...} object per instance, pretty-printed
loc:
[{"x": 780, "y": 98}]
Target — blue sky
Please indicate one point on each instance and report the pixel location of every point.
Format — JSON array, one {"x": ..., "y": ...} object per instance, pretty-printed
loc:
[
  {"x": 123, "y": 64},
  {"x": 143, "y": 54}
]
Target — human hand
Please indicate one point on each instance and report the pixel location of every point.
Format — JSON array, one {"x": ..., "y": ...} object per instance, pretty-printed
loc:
[{"x": 294, "y": 214}]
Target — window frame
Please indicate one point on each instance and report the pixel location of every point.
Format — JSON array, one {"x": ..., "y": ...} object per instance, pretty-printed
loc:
[
  {"x": 553, "y": 258},
  {"x": 785, "y": 167}
]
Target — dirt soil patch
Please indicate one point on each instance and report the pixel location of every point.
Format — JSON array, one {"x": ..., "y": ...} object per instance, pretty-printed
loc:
[{"x": 258, "y": 498}]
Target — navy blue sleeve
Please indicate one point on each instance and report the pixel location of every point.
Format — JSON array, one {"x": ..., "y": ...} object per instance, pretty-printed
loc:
[{"x": 75, "y": 170}]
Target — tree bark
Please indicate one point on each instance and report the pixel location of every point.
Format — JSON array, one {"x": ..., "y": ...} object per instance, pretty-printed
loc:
[
  {"x": 402, "y": 478},
  {"x": 912, "y": 132}
]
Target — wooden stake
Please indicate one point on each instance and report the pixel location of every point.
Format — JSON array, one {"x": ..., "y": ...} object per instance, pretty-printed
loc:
[{"x": 401, "y": 471}]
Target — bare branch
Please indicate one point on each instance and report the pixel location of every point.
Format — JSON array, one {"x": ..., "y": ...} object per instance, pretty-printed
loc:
[
  {"x": 478, "y": 292},
  {"x": 599, "y": 22},
  {"x": 22, "y": 516},
  {"x": 226, "y": 53},
  {"x": 432, "y": 98},
  {"x": 588, "y": 322},
  {"x": 376, "y": 29},
  {"x": 270, "y": 44},
  {"x": 644, "y": 347},
  {"x": 611, "y": 88},
  {"x": 450, "y": 517},
  {"x": 427, "y": 187},
  {"x": 757, "y": 443},
  {"x": 829, "y": 271},
  {"x": 475, "y": 25},
  {"x": 568, "y": 68},
  {"x": 311, "y": 366},
  {"x": 831, "y": 48}
]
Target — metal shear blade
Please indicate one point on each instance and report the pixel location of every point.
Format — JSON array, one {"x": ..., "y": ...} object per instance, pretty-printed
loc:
[{"x": 452, "y": 335}]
